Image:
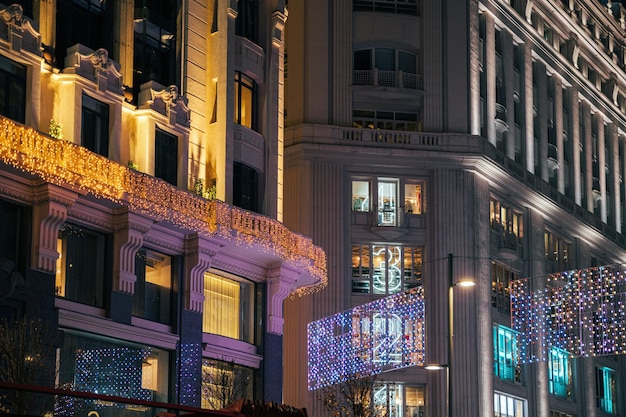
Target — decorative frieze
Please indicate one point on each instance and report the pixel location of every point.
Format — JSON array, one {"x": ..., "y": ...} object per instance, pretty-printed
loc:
[{"x": 95, "y": 66}]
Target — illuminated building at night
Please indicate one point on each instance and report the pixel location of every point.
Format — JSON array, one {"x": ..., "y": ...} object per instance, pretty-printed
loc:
[
  {"x": 141, "y": 195},
  {"x": 428, "y": 142}
]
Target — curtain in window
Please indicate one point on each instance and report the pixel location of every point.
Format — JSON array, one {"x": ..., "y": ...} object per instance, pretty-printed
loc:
[{"x": 221, "y": 306}]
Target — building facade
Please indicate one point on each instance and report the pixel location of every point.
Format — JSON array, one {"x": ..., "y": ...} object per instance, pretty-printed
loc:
[
  {"x": 431, "y": 141},
  {"x": 141, "y": 196}
]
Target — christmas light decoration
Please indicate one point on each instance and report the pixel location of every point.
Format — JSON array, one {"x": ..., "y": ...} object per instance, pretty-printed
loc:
[
  {"x": 579, "y": 311},
  {"x": 71, "y": 166},
  {"x": 367, "y": 340}
]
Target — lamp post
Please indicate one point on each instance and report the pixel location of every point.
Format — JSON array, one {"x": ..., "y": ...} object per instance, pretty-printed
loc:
[{"x": 451, "y": 285}]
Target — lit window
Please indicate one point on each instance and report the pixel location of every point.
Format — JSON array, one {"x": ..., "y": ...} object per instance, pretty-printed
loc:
[
  {"x": 508, "y": 406},
  {"x": 605, "y": 390},
  {"x": 399, "y": 400},
  {"x": 387, "y": 201},
  {"x": 505, "y": 354},
  {"x": 223, "y": 383},
  {"x": 245, "y": 97},
  {"x": 501, "y": 278},
  {"x": 152, "y": 297},
  {"x": 557, "y": 253},
  {"x": 395, "y": 268},
  {"x": 360, "y": 195},
  {"x": 559, "y": 372},
  {"x": 413, "y": 201},
  {"x": 507, "y": 224},
  {"x": 81, "y": 265},
  {"x": 228, "y": 308}
]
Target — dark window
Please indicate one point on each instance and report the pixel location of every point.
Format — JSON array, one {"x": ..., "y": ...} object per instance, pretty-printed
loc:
[
  {"x": 15, "y": 231},
  {"x": 152, "y": 297},
  {"x": 88, "y": 22},
  {"x": 247, "y": 16},
  {"x": 407, "y": 62},
  {"x": 81, "y": 267},
  {"x": 245, "y": 101},
  {"x": 245, "y": 187},
  {"x": 409, "y": 7},
  {"x": 12, "y": 90},
  {"x": 155, "y": 45},
  {"x": 95, "y": 126},
  {"x": 385, "y": 59},
  {"x": 166, "y": 157},
  {"x": 363, "y": 59}
]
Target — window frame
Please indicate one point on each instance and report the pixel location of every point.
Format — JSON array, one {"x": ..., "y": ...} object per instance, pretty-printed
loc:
[
  {"x": 166, "y": 149},
  {"x": 244, "y": 83},
  {"x": 505, "y": 353},
  {"x": 14, "y": 101},
  {"x": 559, "y": 372},
  {"x": 146, "y": 299},
  {"x": 606, "y": 390},
  {"x": 95, "y": 133}
]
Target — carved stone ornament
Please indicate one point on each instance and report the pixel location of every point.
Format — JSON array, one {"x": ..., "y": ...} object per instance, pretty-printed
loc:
[
  {"x": 16, "y": 29},
  {"x": 95, "y": 66},
  {"x": 169, "y": 102}
]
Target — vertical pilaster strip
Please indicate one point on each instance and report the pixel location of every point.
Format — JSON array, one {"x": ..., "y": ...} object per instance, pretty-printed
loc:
[
  {"x": 588, "y": 152},
  {"x": 614, "y": 178},
  {"x": 602, "y": 165},
  {"x": 276, "y": 100},
  {"x": 558, "y": 128},
  {"x": 490, "y": 76},
  {"x": 529, "y": 109},
  {"x": 575, "y": 141},
  {"x": 342, "y": 63},
  {"x": 474, "y": 56}
]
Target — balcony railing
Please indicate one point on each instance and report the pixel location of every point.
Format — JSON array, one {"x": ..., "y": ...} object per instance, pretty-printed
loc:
[{"x": 378, "y": 77}]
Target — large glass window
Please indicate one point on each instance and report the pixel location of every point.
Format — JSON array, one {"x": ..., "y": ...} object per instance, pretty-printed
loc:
[
  {"x": 395, "y": 268},
  {"x": 228, "y": 307},
  {"x": 360, "y": 195},
  {"x": 557, "y": 253},
  {"x": 12, "y": 90},
  {"x": 387, "y": 120},
  {"x": 152, "y": 297},
  {"x": 505, "y": 354},
  {"x": 245, "y": 100},
  {"x": 409, "y": 7},
  {"x": 155, "y": 43},
  {"x": 95, "y": 126},
  {"x": 80, "y": 274},
  {"x": 507, "y": 223},
  {"x": 166, "y": 157},
  {"x": 246, "y": 24},
  {"x": 559, "y": 372},
  {"x": 388, "y": 191},
  {"x": 108, "y": 366},
  {"x": 223, "y": 383},
  {"x": 399, "y": 400},
  {"x": 87, "y": 22},
  {"x": 606, "y": 390},
  {"x": 15, "y": 232},
  {"x": 508, "y": 406},
  {"x": 501, "y": 278},
  {"x": 413, "y": 198},
  {"x": 387, "y": 201},
  {"x": 389, "y": 63},
  {"x": 245, "y": 187}
]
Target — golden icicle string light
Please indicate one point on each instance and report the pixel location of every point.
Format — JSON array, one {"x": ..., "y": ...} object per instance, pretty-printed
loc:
[{"x": 70, "y": 166}]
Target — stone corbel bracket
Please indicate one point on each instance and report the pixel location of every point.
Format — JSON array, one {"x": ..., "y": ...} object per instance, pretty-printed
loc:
[
  {"x": 127, "y": 240},
  {"x": 280, "y": 283},
  {"x": 166, "y": 101},
  {"x": 95, "y": 66},
  {"x": 18, "y": 31},
  {"x": 199, "y": 252}
]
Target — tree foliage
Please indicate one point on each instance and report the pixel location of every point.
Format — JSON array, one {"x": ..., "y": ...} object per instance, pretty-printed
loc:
[
  {"x": 223, "y": 383},
  {"x": 352, "y": 398}
]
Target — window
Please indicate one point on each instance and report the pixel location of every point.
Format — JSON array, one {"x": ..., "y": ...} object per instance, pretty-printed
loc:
[
  {"x": 109, "y": 366},
  {"x": 507, "y": 224},
  {"x": 360, "y": 195},
  {"x": 155, "y": 43},
  {"x": 389, "y": 63},
  {"x": 87, "y": 22},
  {"x": 387, "y": 120},
  {"x": 388, "y": 192},
  {"x": 387, "y": 201},
  {"x": 505, "y": 354},
  {"x": 245, "y": 100},
  {"x": 245, "y": 187},
  {"x": 508, "y": 406},
  {"x": 606, "y": 390},
  {"x": 15, "y": 231},
  {"x": 409, "y": 7},
  {"x": 554, "y": 413},
  {"x": 557, "y": 253},
  {"x": 501, "y": 278},
  {"x": 12, "y": 90},
  {"x": 395, "y": 268},
  {"x": 399, "y": 400},
  {"x": 166, "y": 157},
  {"x": 152, "y": 297},
  {"x": 81, "y": 265},
  {"x": 559, "y": 372},
  {"x": 246, "y": 24},
  {"x": 95, "y": 126},
  {"x": 223, "y": 383},
  {"x": 228, "y": 307}
]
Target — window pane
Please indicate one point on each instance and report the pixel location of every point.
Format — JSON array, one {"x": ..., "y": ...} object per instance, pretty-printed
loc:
[
  {"x": 387, "y": 196},
  {"x": 223, "y": 383},
  {"x": 413, "y": 198},
  {"x": 166, "y": 157},
  {"x": 245, "y": 187},
  {"x": 221, "y": 306},
  {"x": 379, "y": 258},
  {"x": 360, "y": 195},
  {"x": 95, "y": 126},
  {"x": 385, "y": 59},
  {"x": 407, "y": 62},
  {"x": 363, "y": 59}
]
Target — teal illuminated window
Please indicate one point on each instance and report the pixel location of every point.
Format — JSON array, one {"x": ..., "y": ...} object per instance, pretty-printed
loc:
[
  {"x": 605, "y": 390},
  {"x": 559, "y": 372},
  {"x": 505, "y": 354}
]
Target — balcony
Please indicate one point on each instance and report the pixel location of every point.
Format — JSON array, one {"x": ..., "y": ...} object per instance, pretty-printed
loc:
[
  {"x": 501, "y": 124},
  {"x": 381, "y": 78},
  {"x": 553, "y": 161}
]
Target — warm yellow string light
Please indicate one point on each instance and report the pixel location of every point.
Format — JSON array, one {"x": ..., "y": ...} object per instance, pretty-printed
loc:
[{"x": 71, "y": 166}]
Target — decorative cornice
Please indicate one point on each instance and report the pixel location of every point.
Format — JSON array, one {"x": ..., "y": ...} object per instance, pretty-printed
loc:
[
  {"x": 21, "y": 34},
  {"x": 95, "y": 66}
]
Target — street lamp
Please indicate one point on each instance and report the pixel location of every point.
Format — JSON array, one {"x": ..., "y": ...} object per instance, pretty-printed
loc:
[{"x": 464, "y": 282}]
